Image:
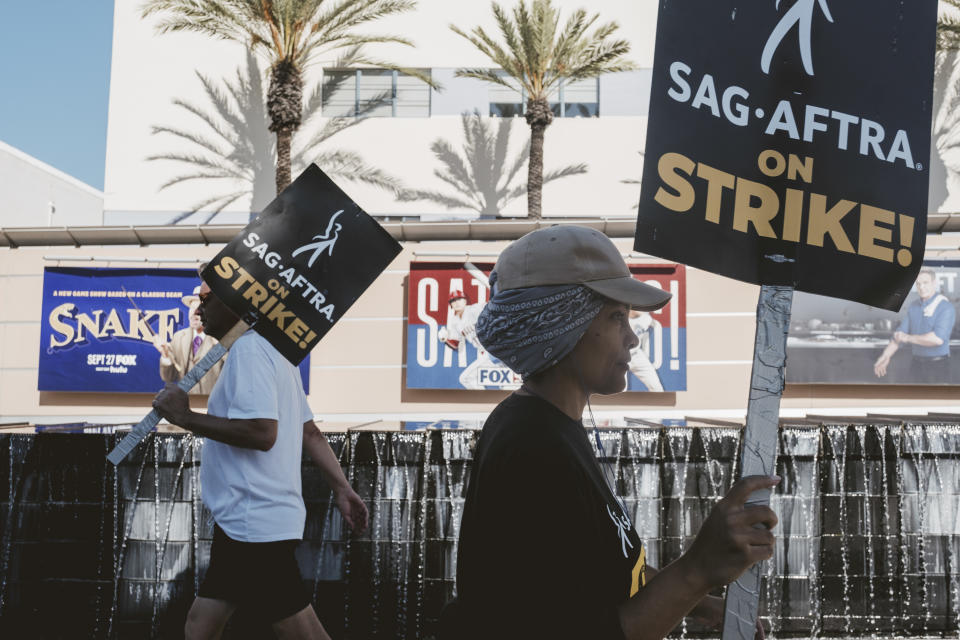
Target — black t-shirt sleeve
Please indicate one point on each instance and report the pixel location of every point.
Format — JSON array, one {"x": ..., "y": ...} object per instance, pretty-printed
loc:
[{"x": 543, "y": 572}]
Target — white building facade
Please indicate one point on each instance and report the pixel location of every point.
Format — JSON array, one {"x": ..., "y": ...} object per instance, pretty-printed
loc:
[
  {"x": 160, "y": 83},
  {"x": 34, "y": 194}
]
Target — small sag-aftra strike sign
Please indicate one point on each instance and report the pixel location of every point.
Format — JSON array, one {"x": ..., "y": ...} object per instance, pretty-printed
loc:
[
  {"x": 291, "y": 274},
  {"x": 300, "y": 265},
  {"x": 788, "y": 147}
]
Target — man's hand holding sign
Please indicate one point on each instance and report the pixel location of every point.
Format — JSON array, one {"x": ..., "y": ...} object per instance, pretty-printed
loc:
[{"x": 787, "y": 147}]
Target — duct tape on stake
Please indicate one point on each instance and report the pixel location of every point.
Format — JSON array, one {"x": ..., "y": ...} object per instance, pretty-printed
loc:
[
  {"x": 290, "y": 274},
  {"x": 759, "y": 455}
]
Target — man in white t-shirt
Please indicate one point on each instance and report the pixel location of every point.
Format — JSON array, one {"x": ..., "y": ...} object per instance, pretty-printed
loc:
[{"x": 257, "y": 424}]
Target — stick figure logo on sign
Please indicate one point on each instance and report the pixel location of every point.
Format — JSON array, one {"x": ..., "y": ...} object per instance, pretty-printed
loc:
[
  {"x": 324, "y": 241},
  {"x": 800, "y": 14}
]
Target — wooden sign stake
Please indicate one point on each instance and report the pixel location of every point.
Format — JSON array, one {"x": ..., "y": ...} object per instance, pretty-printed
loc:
[
  {"x": 212, "y": 357},
  {"x": 759, "y": 453}
]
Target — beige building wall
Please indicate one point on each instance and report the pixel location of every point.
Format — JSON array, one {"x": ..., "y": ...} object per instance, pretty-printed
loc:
[{"x": 357, "y": 371}]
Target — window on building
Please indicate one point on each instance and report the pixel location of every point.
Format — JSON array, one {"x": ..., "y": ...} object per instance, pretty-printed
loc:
[
  {"x": 381, "y": 93},
  {"x": 579, "y": 99},
  {"x": 507, "y": 102}
]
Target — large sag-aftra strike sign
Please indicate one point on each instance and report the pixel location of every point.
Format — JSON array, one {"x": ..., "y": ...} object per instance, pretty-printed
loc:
[
  {"x": 789, "y": 142},
  {"x": 787, "y": 146},
  {"x": 299, "y": 266}
]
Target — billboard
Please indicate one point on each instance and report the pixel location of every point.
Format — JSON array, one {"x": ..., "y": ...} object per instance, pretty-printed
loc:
[
  {"x": 444, "y": 300},
  {"x": 838, "y": 342},
  {"x": 103, "y": 330},
  {"x": 789, "y": 143}
]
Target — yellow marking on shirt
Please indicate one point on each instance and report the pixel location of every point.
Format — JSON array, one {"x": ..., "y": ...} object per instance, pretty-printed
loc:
[{"x": 639, "y": 574}]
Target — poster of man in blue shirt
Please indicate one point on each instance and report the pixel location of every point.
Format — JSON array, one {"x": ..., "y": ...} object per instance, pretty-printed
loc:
[{"x": 926, "y": 326}]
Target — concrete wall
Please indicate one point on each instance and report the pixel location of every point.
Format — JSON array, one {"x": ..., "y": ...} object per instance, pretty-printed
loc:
[
  {"x": 34, "y": 194},
  {"x": 354, "y": 384}
]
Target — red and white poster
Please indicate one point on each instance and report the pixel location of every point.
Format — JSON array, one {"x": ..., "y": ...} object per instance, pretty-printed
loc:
[{"x": 446, "y": 298}]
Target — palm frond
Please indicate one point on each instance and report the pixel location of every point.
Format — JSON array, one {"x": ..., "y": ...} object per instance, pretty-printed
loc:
[
  {"x": 222, "y": 19},
  {"x": 349, "y": 14},
  {"x": 537, "y": 54},
  {"x": 450, "y": 202},
  {"x": 479, "y": 175},
  {"x": 948, "y": 27},
  {"x": 350, "y": 166},
  {"x": 216, "y": 165},
  {"x": 333, "y": 28},
  {"x": 223, "y": 106},
  {"x": 571, "y": 170},
  {"x": 281, "y": 30},
  {"x": 489, "y": 75},
  {"x": 570, "y": 37},
  {"x": 188, "y": 136},
  {"x": 220, "y": 203},
  {"x": 489, "y": 47},
  {"x": 200, "y": 175},
  {"x": 456, "y": 171},
  {"x": 508, "y": 30},
  {"x": 556, "y": 174}
]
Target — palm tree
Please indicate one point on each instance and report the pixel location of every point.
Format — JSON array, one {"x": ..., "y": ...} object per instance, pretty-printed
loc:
[
  {"x": 948, "y": 28},
  {"x": 481, "y": 175},
  {"x": 536, "y": 56},
  {"x": 233, "y": 145},
  {"x": 289, "y": 34}
]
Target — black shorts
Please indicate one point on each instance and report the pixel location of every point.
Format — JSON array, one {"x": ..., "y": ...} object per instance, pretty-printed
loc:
[{"x": 263, "y": 576}]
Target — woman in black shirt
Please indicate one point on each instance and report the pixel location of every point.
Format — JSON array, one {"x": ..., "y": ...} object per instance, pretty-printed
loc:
[{"x": 546, "y": 550}]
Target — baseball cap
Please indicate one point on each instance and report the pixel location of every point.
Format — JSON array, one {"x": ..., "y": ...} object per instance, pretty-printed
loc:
[
  {"x": 192, "y": 299},
  {"x": 570, "y": 254},
  {"x": 456, "y": 294}
]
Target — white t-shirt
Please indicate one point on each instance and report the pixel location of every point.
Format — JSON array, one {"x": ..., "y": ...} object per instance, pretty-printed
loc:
[{"x": 255, "y": 496}]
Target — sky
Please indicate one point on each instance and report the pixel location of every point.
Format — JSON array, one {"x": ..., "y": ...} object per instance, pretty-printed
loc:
[{"x": 55, "y": 82}]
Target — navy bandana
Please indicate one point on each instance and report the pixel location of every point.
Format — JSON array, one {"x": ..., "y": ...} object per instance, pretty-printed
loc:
[{"x": 533, "y": 328}]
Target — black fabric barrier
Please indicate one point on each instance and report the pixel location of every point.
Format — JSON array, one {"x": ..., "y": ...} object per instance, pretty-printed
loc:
[{"x": 868, "y": 541}]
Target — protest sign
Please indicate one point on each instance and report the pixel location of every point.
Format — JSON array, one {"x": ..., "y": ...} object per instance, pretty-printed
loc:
[
  {"x": 788, "y": 143},
  {"x": 788, "y": 147},
  {"x": 280, "y": 275},
  {"x": 301, "y": 264},
  {"x": 444, "y": 300}
]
